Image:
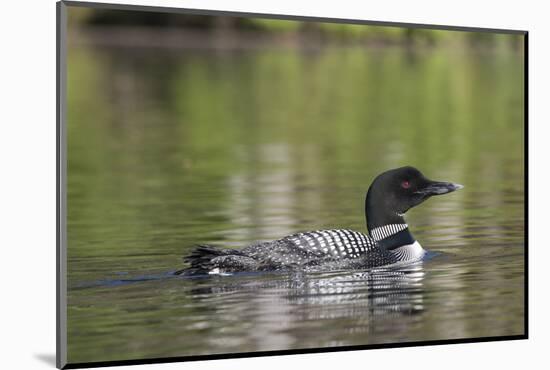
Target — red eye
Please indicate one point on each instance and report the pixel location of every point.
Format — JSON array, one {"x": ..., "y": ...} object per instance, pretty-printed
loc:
[{"x": 405, "y": 184}]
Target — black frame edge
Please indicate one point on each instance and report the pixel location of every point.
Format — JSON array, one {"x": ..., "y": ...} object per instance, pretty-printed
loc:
[
  {"x": 61, "y": 293},
  {"x": 526, "y": 179}
]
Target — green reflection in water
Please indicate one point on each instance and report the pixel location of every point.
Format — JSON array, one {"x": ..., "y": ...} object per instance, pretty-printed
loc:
[{"x": 168, "y": 149}]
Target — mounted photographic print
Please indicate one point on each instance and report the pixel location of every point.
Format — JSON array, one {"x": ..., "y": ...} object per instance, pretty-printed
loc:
[{"x": 234, "y": 185}]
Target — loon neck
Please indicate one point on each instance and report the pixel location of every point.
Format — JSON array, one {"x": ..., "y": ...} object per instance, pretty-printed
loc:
[
  {"x": 380, "y": 211},
  {"x": 386, "y": 226},
  {"x": 392, "y": 236},
  {"x": 386, "y": 231}
]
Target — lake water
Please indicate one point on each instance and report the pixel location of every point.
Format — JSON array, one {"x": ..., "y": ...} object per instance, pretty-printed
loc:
[{"x": 169, "y": 148}]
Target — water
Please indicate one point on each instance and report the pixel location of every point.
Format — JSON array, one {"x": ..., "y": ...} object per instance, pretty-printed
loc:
[{"x": 169, "y": 148}]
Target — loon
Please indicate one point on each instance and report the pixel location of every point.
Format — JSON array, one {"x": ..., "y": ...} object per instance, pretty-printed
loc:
[{"x": 388, "y": 241}]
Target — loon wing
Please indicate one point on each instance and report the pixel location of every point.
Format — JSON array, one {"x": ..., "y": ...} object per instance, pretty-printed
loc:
[
  {"x": 338, "y": 248},
  {"x": 336, "y": 243}
]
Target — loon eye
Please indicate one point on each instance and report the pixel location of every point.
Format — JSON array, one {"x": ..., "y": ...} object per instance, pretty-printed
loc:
[{"x": 405, "y": 184}]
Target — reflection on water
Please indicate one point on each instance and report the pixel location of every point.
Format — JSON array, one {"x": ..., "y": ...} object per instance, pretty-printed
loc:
[
  {"x": 277, "y": 304},
  {"x": 382, "y": 290},
  {"x": 169, "y": 149}
]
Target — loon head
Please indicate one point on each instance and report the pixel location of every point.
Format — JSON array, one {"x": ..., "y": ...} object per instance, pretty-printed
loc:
[{"x": 394, "y": 192}]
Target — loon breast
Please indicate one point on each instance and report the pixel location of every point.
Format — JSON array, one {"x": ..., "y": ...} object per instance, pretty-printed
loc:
[{"x": 409, "y": 252}]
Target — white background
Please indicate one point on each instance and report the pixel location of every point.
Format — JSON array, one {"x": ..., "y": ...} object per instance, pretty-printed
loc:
[{"x": 27, "y": 182}]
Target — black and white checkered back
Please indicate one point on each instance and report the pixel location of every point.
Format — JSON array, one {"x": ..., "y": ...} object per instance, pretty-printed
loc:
[{"x": 339, "y": 242}]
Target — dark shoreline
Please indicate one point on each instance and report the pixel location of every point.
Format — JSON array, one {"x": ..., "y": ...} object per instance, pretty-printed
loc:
[{"x": 181, "y": 39}]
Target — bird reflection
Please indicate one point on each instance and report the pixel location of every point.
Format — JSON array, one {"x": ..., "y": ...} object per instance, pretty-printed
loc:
[
  {"x": 365, "y": 294},
  {"x": 282, "y": 311},
  {"x": 379, "y": 291}
]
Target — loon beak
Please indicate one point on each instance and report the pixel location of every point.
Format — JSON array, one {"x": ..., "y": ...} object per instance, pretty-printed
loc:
[{"x": 438, "y": 188}]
